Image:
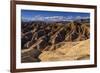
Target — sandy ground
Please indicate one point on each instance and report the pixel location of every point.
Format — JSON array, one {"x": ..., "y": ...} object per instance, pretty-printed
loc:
[{"x": 70, "y": 51}]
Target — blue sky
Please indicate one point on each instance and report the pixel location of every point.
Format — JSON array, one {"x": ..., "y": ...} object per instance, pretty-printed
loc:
[{"x": 51, "y": 15}]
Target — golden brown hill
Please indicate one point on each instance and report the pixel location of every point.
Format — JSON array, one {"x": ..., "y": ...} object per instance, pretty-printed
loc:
[{"x": 74, "y": 51}]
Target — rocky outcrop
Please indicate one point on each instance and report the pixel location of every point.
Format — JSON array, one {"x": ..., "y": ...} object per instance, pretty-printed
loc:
[{"x": 39, "y": 36}]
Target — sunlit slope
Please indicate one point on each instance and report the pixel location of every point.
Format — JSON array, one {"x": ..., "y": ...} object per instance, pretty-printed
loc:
[{"x": 75, "y": 51}]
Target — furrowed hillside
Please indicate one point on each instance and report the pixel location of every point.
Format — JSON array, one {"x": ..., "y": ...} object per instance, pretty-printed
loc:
[{"x": 55, "y": 41}]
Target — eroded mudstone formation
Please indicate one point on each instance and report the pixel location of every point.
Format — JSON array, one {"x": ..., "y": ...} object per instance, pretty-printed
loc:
[{"x": 40, "y": 36}]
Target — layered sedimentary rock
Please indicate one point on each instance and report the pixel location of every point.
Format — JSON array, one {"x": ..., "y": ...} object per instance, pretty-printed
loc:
[{"x": 38, "y": 37}]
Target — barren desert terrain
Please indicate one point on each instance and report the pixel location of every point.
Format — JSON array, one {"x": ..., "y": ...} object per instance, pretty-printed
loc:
[{"x": 55, "y": 41}]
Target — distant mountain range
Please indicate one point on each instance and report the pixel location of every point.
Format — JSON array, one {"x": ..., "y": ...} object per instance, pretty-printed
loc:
[{"x": 54, "y": 18}]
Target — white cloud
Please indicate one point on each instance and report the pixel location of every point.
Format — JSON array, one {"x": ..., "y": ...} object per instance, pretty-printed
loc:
[
  {"x": 52, "y": 18},
  {"x": 38, "y": 17},
  {"x": 80, "y": 17}
]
